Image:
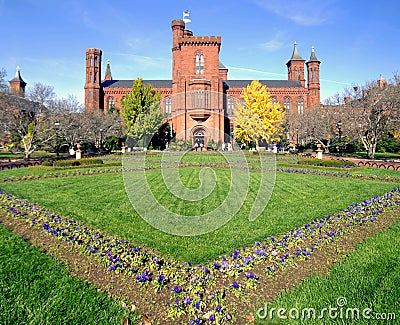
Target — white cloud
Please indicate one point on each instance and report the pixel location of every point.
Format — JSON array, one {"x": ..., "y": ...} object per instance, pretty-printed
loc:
[
  {"x": 305, "y": 13},
  {"x": 254, "y": 71},
  {"x": 272, "y": 45}
]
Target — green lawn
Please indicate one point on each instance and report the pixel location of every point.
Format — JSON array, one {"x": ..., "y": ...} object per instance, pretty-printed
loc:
[
  {"x": 368, "y": 278},
  {"x": 101, "y": 201},
  {"x": 36, "y": 289}
]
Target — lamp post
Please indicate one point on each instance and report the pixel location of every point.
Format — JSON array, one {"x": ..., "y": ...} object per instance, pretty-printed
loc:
[
  {"x": 339, "y": 127},
  {"x": 56, "y": 125},
  {"x": 101, "y": 139}
]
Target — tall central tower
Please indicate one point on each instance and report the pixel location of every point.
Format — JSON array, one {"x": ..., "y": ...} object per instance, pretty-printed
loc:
[
  {"x": 196, "y": 83},
  {"x": 93, "y": 95}
]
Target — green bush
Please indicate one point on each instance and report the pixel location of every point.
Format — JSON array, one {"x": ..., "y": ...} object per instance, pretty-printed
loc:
[
  {"x": 47, "y": 163},
  {"x": 325, "y": 163},
  {"x": 79, "y": 162}
]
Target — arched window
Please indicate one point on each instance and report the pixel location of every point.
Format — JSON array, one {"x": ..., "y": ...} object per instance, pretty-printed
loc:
[
  {"x": 286, "y": 104},
  {"x": 300, "y": 105},
  {"x": 168, "y": 105},
  {"x": 91, "y": 61},
  {"x": 274, "y": 100},
  {"x": 231, "y": 105},
  {"x": 294, "y": 73},
  {"x": 110, "y": 102},
  {"x": 90, "y": 77},
  {"x": 199, "y": 63},
  {"x": 95, "y": 61},
  {"x": 206, "y": 98},
  {"x": 315, "y": 75},
  {"x": 95, "y": 77}
]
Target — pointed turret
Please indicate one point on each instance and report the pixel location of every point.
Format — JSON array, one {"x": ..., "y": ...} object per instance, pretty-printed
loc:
[
  {"x": 313, "y": 79},
  {"x": 108, "y": 75},
  {"x": 17, "y": 84},
  {"x": 295, "y": 55},
  {"x": 313, "y": 57},
  {"x": 296, "y": 67}
]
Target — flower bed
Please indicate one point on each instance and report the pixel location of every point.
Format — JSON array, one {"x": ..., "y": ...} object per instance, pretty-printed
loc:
[{"x": 198, "y": 293}]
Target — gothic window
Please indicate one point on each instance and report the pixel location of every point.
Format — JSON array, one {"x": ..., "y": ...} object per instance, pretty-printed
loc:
[
  {"x": 206, "y": 98},
  {"x": 294, "y": 73},
  {"x": 286, "y": 104},
  {"x": 168, "y": 105},
  {"x": 91, "y": 61},
  {"x": 192, "y": 101},
  {"x": 300, "y": 105},
  {"x": 200, "y": 98},
  {"x": 111, "y": 102},
  {"x": 90, "y": 77},
  {"x": 315, "y": 75},
  {"x": 231, "y": 105},
  {"x": 95, "y": 61},
  {"x": 95, "y": 77},
  {"x": 199, "y": 63}
]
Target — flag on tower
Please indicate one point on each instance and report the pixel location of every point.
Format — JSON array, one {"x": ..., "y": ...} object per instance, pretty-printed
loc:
[{"x": 186, "y": 18}]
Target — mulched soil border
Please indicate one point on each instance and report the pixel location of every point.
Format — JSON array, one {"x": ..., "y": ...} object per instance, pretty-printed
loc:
[{"x": 124, "y": 288}]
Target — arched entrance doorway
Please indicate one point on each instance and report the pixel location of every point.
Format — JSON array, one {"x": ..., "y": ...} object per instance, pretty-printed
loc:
[{"x": 199, "y": 137}]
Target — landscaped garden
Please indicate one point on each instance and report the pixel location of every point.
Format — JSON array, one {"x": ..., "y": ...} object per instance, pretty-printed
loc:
[{"x": 83, "y": 217}]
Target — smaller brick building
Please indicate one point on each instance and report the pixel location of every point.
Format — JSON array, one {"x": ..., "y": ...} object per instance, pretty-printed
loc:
[{"x": 200, "y": 100}]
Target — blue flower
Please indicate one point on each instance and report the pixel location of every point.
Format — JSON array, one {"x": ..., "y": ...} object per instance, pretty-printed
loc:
[
  {"x": 235, "y": 285},
  {"x": 143, "y": 277},
  {"x": 177, "y": 289}
]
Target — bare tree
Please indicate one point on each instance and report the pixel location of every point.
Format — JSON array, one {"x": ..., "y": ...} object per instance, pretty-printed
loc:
[
  {"x": 374, "y": 111},
  {"x": 3, "y": 81},
  {"x": 43, "y": 94},
  {"x": 316, "y": 124},
  {"x": 25, "y": 122},
  {"x": 97, "y": 126}
]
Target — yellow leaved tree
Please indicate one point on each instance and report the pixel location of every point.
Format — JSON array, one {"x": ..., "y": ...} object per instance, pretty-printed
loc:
[{"x": 258, "y": 118}]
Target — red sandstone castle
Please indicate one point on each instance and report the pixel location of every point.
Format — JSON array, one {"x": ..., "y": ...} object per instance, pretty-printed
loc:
[{"x": 200, "y": 99}]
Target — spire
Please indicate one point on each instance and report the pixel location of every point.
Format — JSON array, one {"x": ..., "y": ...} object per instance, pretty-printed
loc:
[
  {"x": 313, "y": 56},
  {"x": 17, "y": 77},
  {"x": 17, "y": 84},
  {"x": 108, "y": 75},
  {"x": 296, "y": 55}
]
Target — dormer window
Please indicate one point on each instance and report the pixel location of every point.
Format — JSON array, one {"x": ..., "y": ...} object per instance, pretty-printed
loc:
[{"x": 199, "y": 63}]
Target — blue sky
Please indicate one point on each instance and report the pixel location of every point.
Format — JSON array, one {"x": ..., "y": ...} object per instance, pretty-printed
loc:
[{"x": 356, "y": 41}]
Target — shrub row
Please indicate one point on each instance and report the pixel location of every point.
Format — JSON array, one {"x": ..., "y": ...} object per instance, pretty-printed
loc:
[
  {"x": 74, "y": 162},
  {"x": 325, "y": 163}
]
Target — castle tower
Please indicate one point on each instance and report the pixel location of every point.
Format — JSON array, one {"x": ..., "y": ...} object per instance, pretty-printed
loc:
[
  {"x": 313, "y": 79},
  {"x": 178, "y": 28},
  {"x": 197, "y": 76},
  {"x": 296, "y": 67},
  {"x": 93, "y": 98},
  {"x": 108, "y": 75},
  {"x": 17, "y": 84}
]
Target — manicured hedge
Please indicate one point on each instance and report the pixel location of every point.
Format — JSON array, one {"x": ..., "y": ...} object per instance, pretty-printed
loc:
[
  {"x": 325, "y": 163},
  {"x": 74, "y": 162}
]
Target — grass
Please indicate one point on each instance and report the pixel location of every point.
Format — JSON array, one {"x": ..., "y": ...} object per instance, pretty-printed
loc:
[
  {"x": 368, "y": 278},
  {"x": 36, "y": 289},
  {"x": 101, "y": 201}
]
